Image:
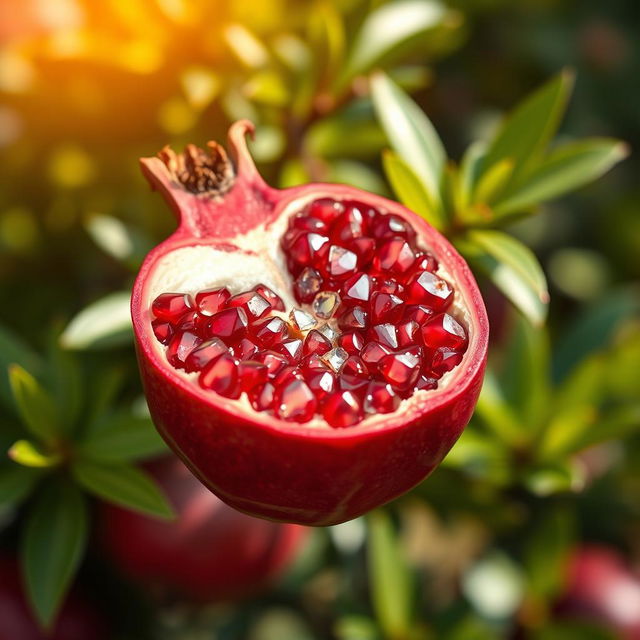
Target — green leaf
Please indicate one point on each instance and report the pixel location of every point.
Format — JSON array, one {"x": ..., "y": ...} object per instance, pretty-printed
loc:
[
  {"x": 268, "y": 88},
  {"x": 410, "y": 133},
  {"x": 103, "y": 392},
  {"x": 566, "y": 168},
  {"x": 388, "y": 28},
  {"x": 14, "y": 351},
  {"x": 410, "y": 191},
  {"x": 470, "y": 170},
  {"x": 551, "y": 478},
  {"x": 353, "y": 627},
  {"x": 34, "y": 404},
  {"x": 66, "y": 381},
  {"x": 28, "y": 454},
  {"x": 389, "y": 577},
  {"x": 104, "y": 323},
  {"x": 512, "y": 267},
  {"x": 52, "y": 547},
  {"x": 493, "y": 181},
  {"x": 124, "y": 485},
  {"x": 525, "y": 134},
  {"x": 327, "y": 35},
  {"x": 123, "y": 438},
  {"x": 16, "y": 483}
]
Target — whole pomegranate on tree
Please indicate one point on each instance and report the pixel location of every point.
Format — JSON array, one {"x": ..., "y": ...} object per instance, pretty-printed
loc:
[
  {"x": 210, "y": 552},
  {"x": 77, "y": 620},
  {"x": 310, "y": 353}
]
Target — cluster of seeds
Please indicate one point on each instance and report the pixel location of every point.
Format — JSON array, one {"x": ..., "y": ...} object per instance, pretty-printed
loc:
[{"x": 372, "y": 327}]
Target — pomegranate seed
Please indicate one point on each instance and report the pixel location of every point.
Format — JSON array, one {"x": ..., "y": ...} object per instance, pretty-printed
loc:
[
  {"x": 315, "y": 342},
  {"x": 301, "y": 320},
  {"x": 400, "y": 369},
  {"x": 328, "y": 332},
  {"x": 372, "y": 353},
  {"x": 389, "y": 286},
  {"x": 349, "y": 226},
  {"x": 274, "y": 362},
  {"x": 321, "y": 383},
  {"x": 314, "y": 361},
  {"x": 426, "y": 383},
  {"x": 342, "y": 262},
  {"x": 425, "y": 262},
  {"x": 172, "y": 306},
  {"x": 271, "y": 297},
  {"x": 221, "y": 376},
  {"x": 351, "y": 341},
  {"x": 385, "y": 226},
  {"x": 395, "y": 256},
  {"x": 444, "y": 331},
  {"x": 385, "y": 334},
  {"x": 357, "y": 384},
  {"x": 307, "y": 284},
  {"x": 364, "y": 248},
  {"x": 228, "y": 324},
  {"x": 325, "y": 304},
  {"x": 212, "y": 300},
  {"x": 357, "y": 289},
  {"x": 245, "y": 349},
  {"x": 335, "y": 358},
  {"x": 286, "y": 375},
  {"x": 427, "y": 288},
  {"x": 309, "y": 249},
  {"x": 342, "y": 409},
  {"x": 270, "y": 331},
  {"x": 418, "y": 313},
  {"x": 355, "y": 318},
  {"x": 252, "y": 374},
  {"x": 162, "y": 330},
  {"x": 380, "y": 398},
  {"x": 444, "y": 359},
  {"x": 295, "y": 402},
  {"x": 253, "y": 304},
  {"x": 193, "y": 321},
  {"x": 308, "y": 223},
  {"x": 385, "y": 307},
  {"x": 204, "y": 354},
  {"x": 325, "y": 209},
  {"x": 292, "y": 349},
  {"x": 408, "y": 333},
  {"x": 261, "y": 397},
  {"x": 354, "y": 366},
  {"x": 180, "y": 346}
]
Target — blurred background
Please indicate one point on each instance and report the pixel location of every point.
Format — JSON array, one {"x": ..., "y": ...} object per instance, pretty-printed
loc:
[{"x": 520, "y": 534}]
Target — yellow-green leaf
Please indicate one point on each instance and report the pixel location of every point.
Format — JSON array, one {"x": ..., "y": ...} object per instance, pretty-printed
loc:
[{"x": 29, "y": 454}]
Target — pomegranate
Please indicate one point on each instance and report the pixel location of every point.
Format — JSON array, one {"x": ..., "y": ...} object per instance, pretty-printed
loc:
[
  {"x": 310, "y": 353},
  {"x": 77, "y": 620},
  {"x": 211, "y": 552},
  {"x": 600, "y": 587}
]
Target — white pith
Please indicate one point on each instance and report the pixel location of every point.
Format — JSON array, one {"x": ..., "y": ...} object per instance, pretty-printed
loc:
[{"x": 260, "y": 260}]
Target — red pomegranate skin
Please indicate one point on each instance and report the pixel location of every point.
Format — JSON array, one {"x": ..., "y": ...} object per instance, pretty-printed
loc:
[
  {"x": 211, "y": 552},
  {"x": 600, "y": 587},
  {"x": 77, "y": 620},
  {"x": 264, "y": 466}
]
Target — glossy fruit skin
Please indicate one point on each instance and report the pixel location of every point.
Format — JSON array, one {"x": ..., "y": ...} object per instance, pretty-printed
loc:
[
  {"x": 211, "y": 552},
  {"x": 77, "y": 620},
  {"x": 600, "y": 587},
  {"x": 256, "y": 463}
]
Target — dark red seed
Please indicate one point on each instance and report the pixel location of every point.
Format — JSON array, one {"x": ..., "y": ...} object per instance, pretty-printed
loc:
[
  {"x": 385, "y": 307},
  {"x": 315, "y": 342},
  {"x": 228, "y": 324},
  {"x": 444, "y": 331},
  {"x": 309, "y": 249},
  {"x": 354, "y": 366},
  {"x": 245, "y": 349},
  {"x": 385, "y": 334},
  {"x": 314, "y": 361},
  {"x": 356, "y": 290},
  {"x": 351, "y": 341},
  {"x": 181, "y": 345},
  {"x": 408, "y": 333},
  {"x": 211, "y": 301},
  {"x": 386, "y": 226},
  {"x": 204, "y": 354},
  {"x": 172, "y": 306},
  {"x": 356, "y": 384},
  {"x": 425, "y": 262},
  {"x": 261, "y": 397},
  {"x": 418, "y": 313},
  {"x": 308, "y": 223},
  {"x": 269, "y": 331},
  {"x": 372, "y": 353},
  {"x": 322, "y": 383},
  {"x": 394, "y": 256},
  {"x": 295, "y": 402},
  {"x": 426, "y": 383},
  {"x": 162, "y": 330},
  {"x": 380, "y": 398},
  {"x": 292, "y": 349},
  {"x": 195, "y": 322},
  {"x": 221, "y": 376},
  {"x": 342, "y": 409},
  {"x": 271, "y": 297},
  {"x": 253, "y": 304},
  {"x": 400, "y": 369},
  {"x": 364, "y": 248},
  {"x": 444, "y": 359},
  {"x": 354, "y": 318},
  {"x": 341, "y": 262},
  {"x": 429, "y": 289},
  {"x": 325, "y": 209},
  {"x": 251, "y": 374},
  {"x": 389, "y": 286},
  {"x": 286, "y": 375},
  {"x": 275, "y": 361}
]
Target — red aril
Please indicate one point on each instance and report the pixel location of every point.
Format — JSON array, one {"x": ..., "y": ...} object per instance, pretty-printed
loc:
[{"x": 315, "y": 279}]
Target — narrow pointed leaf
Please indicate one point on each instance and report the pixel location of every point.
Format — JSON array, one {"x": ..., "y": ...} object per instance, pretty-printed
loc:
[
  {"x": 104, "y": 323},
  {"x": 123, "y": 438},
  {"x": 35, "y": 406},
  {"x": 567, "y": 168},
  {"x": 410, "y": 133},
  {"x": 16, "y": 483},
  {"x": 493, "y": 181},
  {"x": 527, "y": 131},
  {"x": 512, "y": 267},
  {"x": 470, "y": 171},
  {"x": 66, "y": 380},
  {"x": 389, "y": 577},
  {"x": 410, "y": 191},
  {"x": 29, "y": 454},
  {"x": 52, "y": 548},
  {"x": 123, "y": 485}
]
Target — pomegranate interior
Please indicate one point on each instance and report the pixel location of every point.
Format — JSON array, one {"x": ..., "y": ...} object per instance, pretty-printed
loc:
[{"x": 348, "y": 317}]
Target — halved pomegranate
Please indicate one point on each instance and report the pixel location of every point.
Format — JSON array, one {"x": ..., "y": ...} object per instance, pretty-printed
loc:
[{"x": 310, "y": 353}]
